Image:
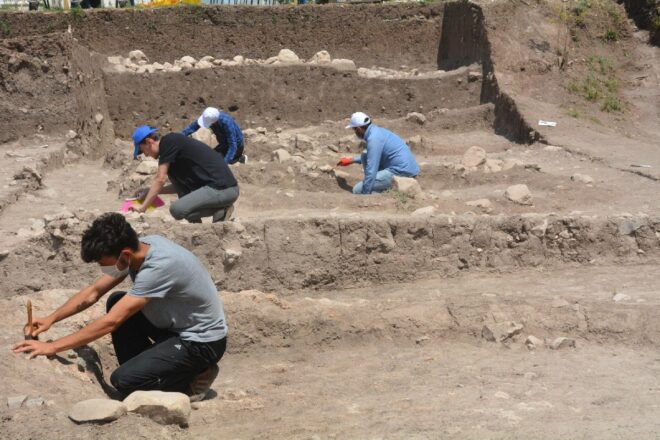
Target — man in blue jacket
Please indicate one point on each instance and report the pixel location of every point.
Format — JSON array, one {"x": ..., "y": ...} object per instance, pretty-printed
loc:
[
  {"x": 226, "y": 131},
  {"x": 386, "y": 155}
]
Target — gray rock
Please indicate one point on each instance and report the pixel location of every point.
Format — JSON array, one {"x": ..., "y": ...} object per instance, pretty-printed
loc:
[
  {"x": 562, "y": 342},
  {"x": 500, "y": 331},
  {"x": 97, "y": 411},
  {"x": 416, "y": 117},
  {"x": 34, "y": 403},
  {"x": 16, "y": 402},
  {"x": 162, "y": 407},
  {"x": 406, "y": 185},
  {"x": 474, "y": 157},
  {"x": 137, "y": 56},
  {"x": 534, "y": 343},
  {"x": 287, "y": 56},
  {"x": 582, "y": 178},
  {"x": 425, "y": 211},
  {"x": 322, "y": 57},
  {"x": 519, "y": 194},
  {"x": 281, "y": 155},
  {"x": 343, "y": 64}
]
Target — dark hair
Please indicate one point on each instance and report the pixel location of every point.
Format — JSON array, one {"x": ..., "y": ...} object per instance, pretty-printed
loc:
[
  {"x": 106, "y": 237},
  {"x": 153, "y": 136}
]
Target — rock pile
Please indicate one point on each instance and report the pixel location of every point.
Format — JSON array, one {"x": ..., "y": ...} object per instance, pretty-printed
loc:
[{"x": 137, "y": 62}]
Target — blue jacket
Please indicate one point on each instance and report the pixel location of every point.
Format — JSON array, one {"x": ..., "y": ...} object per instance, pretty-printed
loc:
[
  {"x": 385, "y": 151},
  {"x": 227, "y": 133}
]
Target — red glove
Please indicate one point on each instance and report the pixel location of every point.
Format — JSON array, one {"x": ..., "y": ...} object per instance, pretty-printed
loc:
[{"x": 345, "y": 161}]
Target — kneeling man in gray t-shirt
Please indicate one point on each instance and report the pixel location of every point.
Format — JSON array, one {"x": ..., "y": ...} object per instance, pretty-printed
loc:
[{"x": 168, "y": 330}]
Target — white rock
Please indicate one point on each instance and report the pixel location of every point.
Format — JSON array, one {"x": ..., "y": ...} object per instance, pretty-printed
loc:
[
  {"x": 15, "y": 402},
  {"x": 343, "y": 64},
  {"x": 162, "y": 407},
  {"x": 339, "y": 174},
  {"x": 474, "y": 157},
  {"x": 519, "y": 194},
  {"x": 98, "y": 118},
  {"x": 321, "y": 57},
  {"x": 500, "y": 331},
  {"x": 534, "y": 343},
  {"x": 36, "y": 402},
  {"x": 158, "y": 66},
  {"x": 493, "y": 166},
  {"x": 239, "y": 59},
  {"x": 425, "y": 211},
  {"x": 281, "y": 155},
  {"x": 583, "y": 178},
  {"x": 116, "y": 60},
  {"x": 203, "y": 65},
  {"x": 71, "y": 134},
  {"x": 137, "y": 56},
  {"x": 325, "y": 168},
  {"x": 416, "y": 117},
  {"x": 147, "y": 167},
  {"x": 502, "y": 395},
  {"x": 232, "y": 255},
  {"x": 406, "y": 185},
  {"x": 552, "y": 148},
  {"x": 620, "y": 297},
  {"x": 271, "y": 60},
  {"x": 287, "y": 56},
  {"x": 562, "y": 342},
  {"x": 207, "y": 58},
  {"x": 206, "y": 136},
  {"x": 415, "y": 143},
  {"x": 187, "y": 60},
  {"x": 97, "y": 410}
]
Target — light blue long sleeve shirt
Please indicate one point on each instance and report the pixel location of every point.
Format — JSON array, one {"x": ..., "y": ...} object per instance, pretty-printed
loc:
[{"x": 385, "y": 151}]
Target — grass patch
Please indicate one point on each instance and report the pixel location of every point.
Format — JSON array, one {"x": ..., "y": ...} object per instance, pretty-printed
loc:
[
  {"x": 5, "y": 29},
  {"x": 400, "y": 199},
  {"x": 573, "y": 113},
  {"x": 598, "y": 85}
]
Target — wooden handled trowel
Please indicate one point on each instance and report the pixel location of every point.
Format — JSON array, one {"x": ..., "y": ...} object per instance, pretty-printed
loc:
[{"x": 27, "y": 330}]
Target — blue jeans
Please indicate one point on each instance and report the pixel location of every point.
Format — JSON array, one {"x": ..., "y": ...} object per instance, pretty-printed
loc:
[{"x": 382, "y": 183}]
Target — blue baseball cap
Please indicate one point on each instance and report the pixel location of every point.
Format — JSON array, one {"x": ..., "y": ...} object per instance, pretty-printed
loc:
[{"x": 140, "y": 135}]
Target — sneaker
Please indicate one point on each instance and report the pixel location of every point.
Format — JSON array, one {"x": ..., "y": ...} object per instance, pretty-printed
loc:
[
  {"x": 201, "y": 384},
  {"x": 243, "y": 159},
  {"x": 224, "y": 214}
]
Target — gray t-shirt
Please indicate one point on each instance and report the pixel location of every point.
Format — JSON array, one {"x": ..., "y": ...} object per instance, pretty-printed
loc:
[{"x": 183, "y": 298}]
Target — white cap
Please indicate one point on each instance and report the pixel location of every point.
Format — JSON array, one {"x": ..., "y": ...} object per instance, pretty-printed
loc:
[
  {"x": 359, "y": 119},
  {"x": 209, "y": 116}
]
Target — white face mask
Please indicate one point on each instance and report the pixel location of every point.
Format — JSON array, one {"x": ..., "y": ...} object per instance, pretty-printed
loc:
[{"x": 114, "y": 272}]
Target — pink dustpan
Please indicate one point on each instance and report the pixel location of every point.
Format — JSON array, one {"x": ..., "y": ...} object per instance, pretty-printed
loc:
[{"x": 157, "y": 203}]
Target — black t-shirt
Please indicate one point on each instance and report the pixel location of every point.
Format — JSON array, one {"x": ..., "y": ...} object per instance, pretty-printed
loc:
[{"x": 193, "y": 164}]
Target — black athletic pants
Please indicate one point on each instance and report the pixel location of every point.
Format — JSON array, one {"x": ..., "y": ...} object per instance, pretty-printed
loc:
[
  {"x": 155, "y": 359},
  {"x": 223, "y": 150}
]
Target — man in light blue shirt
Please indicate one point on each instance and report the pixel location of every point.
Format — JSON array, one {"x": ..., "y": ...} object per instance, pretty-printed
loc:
[{"x": 386, "y": 155}]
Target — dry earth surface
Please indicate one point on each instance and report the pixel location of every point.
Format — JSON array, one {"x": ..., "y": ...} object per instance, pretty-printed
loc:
[{"x": 349, "y": 316}]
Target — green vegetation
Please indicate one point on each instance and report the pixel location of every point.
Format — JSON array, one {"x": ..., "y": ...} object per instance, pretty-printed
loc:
[
  {"x": 598, "y": 85},
  {"x": 5, "y": 29},
  {"x": 400, "y": 199}
]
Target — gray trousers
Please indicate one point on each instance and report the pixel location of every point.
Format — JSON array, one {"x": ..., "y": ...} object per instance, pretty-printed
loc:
[{"x": 203, "y": 202}]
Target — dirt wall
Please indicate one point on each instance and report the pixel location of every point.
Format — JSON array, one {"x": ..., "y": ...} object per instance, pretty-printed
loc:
[
  {"x": 385, "y": 35},
  {"x": 285, "y": 254},
  {"x": 294, "y": 96}
]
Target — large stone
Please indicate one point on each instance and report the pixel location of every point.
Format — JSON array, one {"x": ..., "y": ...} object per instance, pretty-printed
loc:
[
  {"x": 418, "y": 118},
  {"x": 562, "y": 342},
  {"x": 425, "y": 211},
  {"x": 162, "y": 407},
  {"x": 137, "y": 56},
  {"x": 474, "y": 157},
  {"x": 493, "y": 166},
  {"x": 582, "y": 178},
  {"x": 281, "y": 155},
  {"x": 201, "y": 64},
  {"x": 322, "y": 57},
  {"x": 16, "y": 402},
  {"x": 188, "y": 60},
  {"x": 483, "y": 204},
  {"x": 500, "y": 331},
  {"x": 287, "y": 56},
  {"x": 406, "y": 185},
  {"x": 206, "y": 136},
  {"x": 343, "y": 64},
  {"x": 97, "y": 411},
  {"x": 519, "y": 194},
  {"x": 147, "y": 167}
]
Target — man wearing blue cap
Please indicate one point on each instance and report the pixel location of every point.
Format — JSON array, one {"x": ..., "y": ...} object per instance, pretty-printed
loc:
[
  {"x": 386, "y": 155},
  {"x": 226, "y": 131},
  {"x": 199, "y": 176}
]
